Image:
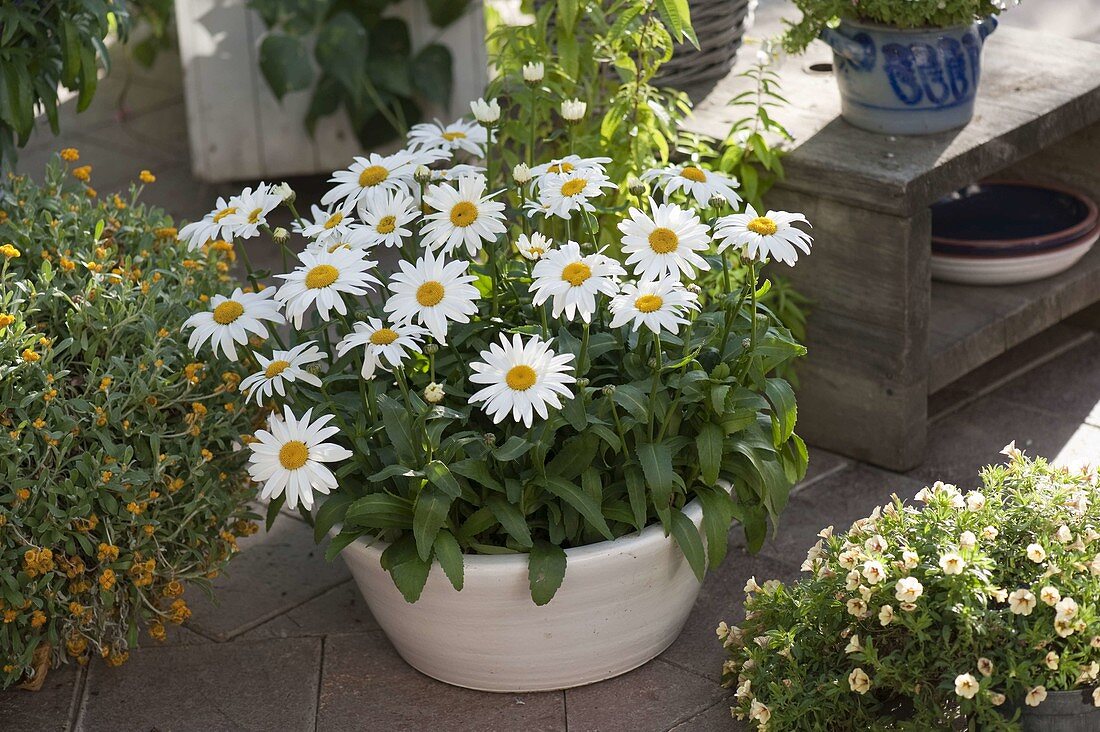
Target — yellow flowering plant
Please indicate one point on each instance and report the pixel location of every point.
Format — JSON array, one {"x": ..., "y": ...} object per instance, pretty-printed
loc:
[
  {"x": 966, "y": 609},
  {"x": 120, "y": 483}
]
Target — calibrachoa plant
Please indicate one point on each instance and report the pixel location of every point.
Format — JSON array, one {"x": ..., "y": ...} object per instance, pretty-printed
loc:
[
  {"x": 120, "y": 484},
  {"x": 817, "y": 14},
  {"x": 964, "y": 608},
  {"x": 511, "y": 386}
]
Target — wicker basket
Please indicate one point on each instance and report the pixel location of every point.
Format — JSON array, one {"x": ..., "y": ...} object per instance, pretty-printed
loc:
[{"x": 720, "y": 25}]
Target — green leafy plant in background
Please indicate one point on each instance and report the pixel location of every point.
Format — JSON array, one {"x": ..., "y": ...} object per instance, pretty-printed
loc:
[
  {"x": 119, "y": 483},
  {"x": 819, "y": 14},
  {"x": 356, "y": 59},
  {"x": 44, "y": 45}
]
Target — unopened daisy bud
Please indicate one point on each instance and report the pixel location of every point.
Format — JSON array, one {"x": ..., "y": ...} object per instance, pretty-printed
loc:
[
  {"x": 280, "y": 235},
  {"x": 433, "y": 393},
  {"x": 431, "y": 349},
  {"x": 486, "y": 112},
  {"x": 362, "y": 314},
  {"x": 717, "y": 200},
  {"x": 285, "y": 192},
  {"x": 533, "y": 72},
  {"x": 490, "y": 439},
  {"x": 572, "y": 110},
  {"x": 582, "y": 383},
  {"x": 521, "y": 174},
  {"x": 422, "y": 174},
  {"x": 609, "y": 390},
  {"x": 315, "y": 369},
  {"x": 635, "y": 186}
]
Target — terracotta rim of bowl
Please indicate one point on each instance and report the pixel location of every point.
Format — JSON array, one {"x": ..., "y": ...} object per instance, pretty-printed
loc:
[{"x": 1071, "y": 235}]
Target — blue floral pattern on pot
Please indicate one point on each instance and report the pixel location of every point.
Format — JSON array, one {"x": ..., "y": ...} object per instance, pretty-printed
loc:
[{"x": 913, "y": 81}]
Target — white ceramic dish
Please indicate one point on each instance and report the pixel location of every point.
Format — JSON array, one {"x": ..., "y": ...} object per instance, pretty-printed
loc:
[
  {"x": 971, "y": 270},
  {"x": 622, "y": 602}
]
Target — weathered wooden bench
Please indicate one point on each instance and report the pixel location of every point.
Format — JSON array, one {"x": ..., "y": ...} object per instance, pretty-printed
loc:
[{"x": 882, "y": 335}]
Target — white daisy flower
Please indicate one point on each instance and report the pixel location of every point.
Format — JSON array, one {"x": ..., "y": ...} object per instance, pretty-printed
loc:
[
  {"x": 321, "y": 279},
  {"x": 486, "y": 112},
  {"x": 695, "y": 182},
  {"x": 378, "y": 173},
  {"x": 572, "y": 110},
  {"x": 560, "y": 194},
  {"x": 253, "y": 206},
  {"x": 221, "y": 223},
  {"x": 569, "y": 164},
  {"x": 461, "y": 134},
  {"x": 433, "y": 292},
  {"x": 289, "y": 456},
  {"x": 463, "y": 216},
  {"x": 283, "y": 367},
  {"x": 666, "y": 243},
  {"x": 764, "y": 237},
  {"x": 521, "y": 378},
  {"x": 533, "y": 72},
  {"x": 385, "y": 214},
  {"x": 356, "y": 236},
  {"x": 534, "y": 246},
  {"x": 574, "y": 280},
  {"x": 656, "y": 305},
  {"x": 230, "y": 319},
  {"x": 381, "y": 342},
  {"x": 328, "y": 225}
]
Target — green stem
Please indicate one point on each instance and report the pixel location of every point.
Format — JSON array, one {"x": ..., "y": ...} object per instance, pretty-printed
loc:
[{"x": 658, "y": 357}]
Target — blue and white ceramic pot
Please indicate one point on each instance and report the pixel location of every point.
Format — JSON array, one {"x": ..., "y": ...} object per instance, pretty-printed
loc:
[{"x": 914, "y": 81}]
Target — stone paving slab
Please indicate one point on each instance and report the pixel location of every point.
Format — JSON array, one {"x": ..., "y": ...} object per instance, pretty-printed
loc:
[
  {"x": 261, "y": 686},
  {"x": 366, "y": 685},
  {"x": 47, "y": 709},
  {"x": 715, "y": 719},
  {"x": 278, "y": 571},
  {"x": 964, "y": 442},
  {"x": 340, "y": 610},
  {"x": 1068, "y": 386},
  {"x": 657, "y": 696}
]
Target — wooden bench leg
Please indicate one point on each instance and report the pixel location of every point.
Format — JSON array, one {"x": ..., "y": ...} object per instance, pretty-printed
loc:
[{"x": 863, "y": 389}]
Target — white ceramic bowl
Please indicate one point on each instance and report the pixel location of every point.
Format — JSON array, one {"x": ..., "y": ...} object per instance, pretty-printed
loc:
[
  {"x": 622, "y": 602},
  {"x": 974, "y": 270}
]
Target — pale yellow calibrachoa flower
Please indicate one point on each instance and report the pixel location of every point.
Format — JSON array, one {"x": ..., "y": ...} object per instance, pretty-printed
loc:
[
  {"x": 966, "y": 686},
  {"x": 859, "y": 681},
  {"x": 1021, "y": 602},
  {"x": 1036, "y": 553},
  {"x": 1035, "y": 696},
  {"x": 908, "y": 589}
]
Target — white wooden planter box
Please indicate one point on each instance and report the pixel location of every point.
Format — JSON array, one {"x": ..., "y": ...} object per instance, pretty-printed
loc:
[{"x": 239, "y": 130}]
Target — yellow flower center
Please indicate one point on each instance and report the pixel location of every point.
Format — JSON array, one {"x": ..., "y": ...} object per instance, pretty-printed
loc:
[
  {"x": 333, "y": 220},
  {"x": 254, "y": 215},
  {"x": 452, "y": 136},
  {"x": 560, "y": 168},
  {"x": 520, "y": 378},
  {"x": 573, "y": 187},
  {"x": 663, "y": 241},
  {"x": 648, "y": 303},
  {"x": 694, "y": 174},
  {"x": 372, "y": 176},
  {"x": 275, "y": 368},
  {"x": 386, "y": 225},
  {"x": 763, "y": 226},
  {"x": 227, "y": 312},
  {"x": 430, "y": 293},
  {"x": 320, "y": 276},
  {"x": 385, "y": 336},
  {"x": 464, "y": 213},
  {"x": 228, "y": 211},
  {"x": 575, "y": 273},
  {"x": 293, "y": 454}
]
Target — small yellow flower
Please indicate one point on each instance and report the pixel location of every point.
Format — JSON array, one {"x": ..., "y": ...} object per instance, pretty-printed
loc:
[
  {"x": 6, "y": 320},
  {"x": 45, "y": 342},
  {"x": 30, "y": 356},
  {"x": 90, "y": 192},
  {"x": 50, "y": 395},
  {"x": 134, "y": 508},
  {"x": 173, "y": 589},
  {"x": 207, "y": 455},
  {"x": 147, "y": 177},
  {"x": 23, "y": 494},
  {"x": 38, "y": 619},
  {"x": 157, "y": 631},
  {"x": 70, "y": 155},
  {"x": 162, "y": 333},
  {"x": 107, "y": 579},
  {"x": 9, "y": 251},
  {"x": 83, "y": 173},
  {"x": 67, "y": 264},
  {"x": 105, "y": 383}
]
